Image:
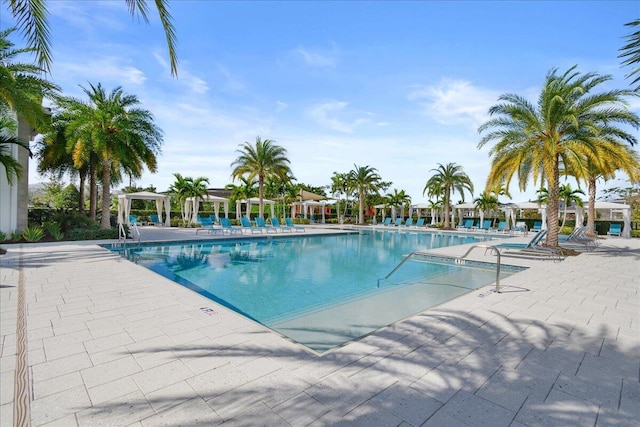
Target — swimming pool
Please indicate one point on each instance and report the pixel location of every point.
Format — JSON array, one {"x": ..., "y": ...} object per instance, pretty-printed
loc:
[{"x": 320, "y": 291}]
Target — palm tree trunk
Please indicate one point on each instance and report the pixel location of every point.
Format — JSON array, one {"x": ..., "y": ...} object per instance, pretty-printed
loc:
[
  {"x": 361, "y": 208},
  {"x": 93, "y": 191},
  {"x": 260, "y": 196},
  {"x": 83, "y": 178},
  {"x": 591, "y": 220},
  {"x": 552, "y": 208},
  {"x": 447, "y": 213},
  {"x": 105, "y": 223}
]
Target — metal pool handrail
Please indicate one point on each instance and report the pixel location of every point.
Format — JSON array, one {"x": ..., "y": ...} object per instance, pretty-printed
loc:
[{"x": 458, "y": 260}]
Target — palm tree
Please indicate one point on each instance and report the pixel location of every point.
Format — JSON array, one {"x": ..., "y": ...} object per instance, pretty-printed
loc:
[
  {"x": 245, "y": 191},
  {"x": 186, "y": 187},
  {"x": 398, "y": 199},
  {"x": 12, "y": 167},
  {"x": 631, "y": 51},
  {"x": 448, "y": 179},
  {"x": 567, "y": 126},
  {"x": 110, "y": 129},
  {"x": 486, "y": 202},
  {"x": 364, "y": 180},
  {"x": 21, "y": 91},
  {"x": 261, "y": 161},
  {"x": 31, "y": 16},
  {"x": 339, "y": 187},
  {"x": 568, "y": 195}
]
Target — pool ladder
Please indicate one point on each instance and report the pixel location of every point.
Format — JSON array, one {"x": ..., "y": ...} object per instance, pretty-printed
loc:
[
  {"x": 458, "y": 260},
  {"x": 122, "y": 234}
]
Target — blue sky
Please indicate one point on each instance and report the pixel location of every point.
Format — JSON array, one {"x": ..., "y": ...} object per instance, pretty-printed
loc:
[{"x": 399, "y": 86}]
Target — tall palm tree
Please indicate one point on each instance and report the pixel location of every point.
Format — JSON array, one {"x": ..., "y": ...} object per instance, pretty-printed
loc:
[
  {"x": 563, "y": 129},
  {"x": 111, "y": 128},
  {"x": 32, "y": 15},
  {"x": 364, "y": 180},
  {"x": 262, "y": 160},
  {"x": 12, "y": 167},
  {"x": 448, "y": 179},
  {"x": 339, "y": 187},
  {"x": 631, "y": 51},
  {"x": 21, "y": 91}
]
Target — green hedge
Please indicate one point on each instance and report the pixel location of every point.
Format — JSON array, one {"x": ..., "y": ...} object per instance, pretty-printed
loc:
[{"x": 93, "y": 234}]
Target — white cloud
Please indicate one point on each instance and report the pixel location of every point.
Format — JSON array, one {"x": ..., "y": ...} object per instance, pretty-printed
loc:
[
  {"x": 107, "y": 68},
  {"x": 455, "y": 102},
  {"x": 323, "y": 113},
  {"x": 231, "y": 83},
  {"x": 281, "y": 106},
  {"x": 316, "y": 58}
]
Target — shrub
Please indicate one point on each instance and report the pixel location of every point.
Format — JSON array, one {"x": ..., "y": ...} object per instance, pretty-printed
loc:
[
  {"x": 635, "y": 233},
  {"x": 54, "y": 230},
  {"x": 93, "y": 233},
  {"x": 33, "y": 234},
  {"x": 3, "y": 236},
  {"x": 68, "y": 221}
]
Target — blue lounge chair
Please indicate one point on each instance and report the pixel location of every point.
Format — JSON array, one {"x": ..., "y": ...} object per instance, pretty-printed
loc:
[
  {"x": 409, "y": 222},
  {"x": 133, "y": 219},
  {"x": 155, "y": 220},
  {"x": 209, "y": 226},
  {"x": 246, "y": 225},
  {"x": 537, "y": 226},
  {"x": 419, "y": 223},
  {"x": 398, "y": 222},
  {"x": 501, "y": 228},
  {"x": 614, "y": 230},
  {"x": 225, "y": 223},
  {"x": 262, "y": 225},
  {"x": 533, "y": 248},
  {"x": 467, "y": 225},
  {"x": 290, "y": 224},
  {"x": 386, "y": 222},
  {"x": 486, "y": 225},
  {"x": 276, "y": 224}
]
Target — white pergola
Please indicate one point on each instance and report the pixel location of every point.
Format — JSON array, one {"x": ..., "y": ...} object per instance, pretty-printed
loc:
[
  {"x": 124, "y": 205},
  {"x": 253, "y": 201},
  {"x": 614, "y": 209},
  {"x": 192, "y": 206}
]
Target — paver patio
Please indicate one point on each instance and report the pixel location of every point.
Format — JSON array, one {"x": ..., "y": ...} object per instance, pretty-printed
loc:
[{"x": 111, "y": 343}]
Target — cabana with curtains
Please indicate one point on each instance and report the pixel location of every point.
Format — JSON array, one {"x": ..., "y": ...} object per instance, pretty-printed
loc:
[
  {"x": 463, "y": 210},
  {"x": 192, "y": 206},
  {"x": 542, "y": 209},
  {"x": 124, "y": 205},
  {"x": 253, "y": 201},
  {"x": 615, "y": 211}
]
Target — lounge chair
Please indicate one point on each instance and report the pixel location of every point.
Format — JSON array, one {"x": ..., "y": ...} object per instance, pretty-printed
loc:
[
  {"x": 291, "y": 225},
  {"x": 409, "y": 222},
  {"x": 614, "y": 230},
  {"x": 486, "y": 225},
  {"x": 533, "y": 247},
  {"x": 537, "y": 226},
  {"x": 155, "y": 220},
  {"x": 501, "y": 228},
  {"x": 467, "y": 225},
  {"x": 275, "y": 223},
  {"x": 398, "y": 222},
  {"x": 262, "y": 225},
  {"x": 579, "y": 236},
  {"x": 246, "y": 225},
  {"x": 419, "y": 223},
  {"x": 209, "y": 226},
  {"x": 225, "y": 223},
  {"x": 133, "y": 219},
  {"x": 386, "y": 222}
]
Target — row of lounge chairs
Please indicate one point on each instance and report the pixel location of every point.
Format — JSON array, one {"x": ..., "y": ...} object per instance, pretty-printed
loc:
[
  {"x": 400, "y": 222},
  {"x": 260, "y": 226}
]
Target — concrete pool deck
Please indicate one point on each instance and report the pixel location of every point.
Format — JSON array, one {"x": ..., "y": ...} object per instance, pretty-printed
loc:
[{"x": 88, "y": 338}]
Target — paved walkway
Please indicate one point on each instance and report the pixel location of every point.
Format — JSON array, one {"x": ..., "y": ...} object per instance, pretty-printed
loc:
[{"x": 107, "y": 342}]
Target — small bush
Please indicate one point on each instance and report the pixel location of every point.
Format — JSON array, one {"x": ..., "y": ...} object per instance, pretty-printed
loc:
[
  {"x": 635, "y": 233},
  {"x": 33, "y": 234},
  {"x": 70, "y": 221},
  {"x": 3, "y": 236},
  {"x": 54, "y": 230},
  {"x": 93, "y": 234}
]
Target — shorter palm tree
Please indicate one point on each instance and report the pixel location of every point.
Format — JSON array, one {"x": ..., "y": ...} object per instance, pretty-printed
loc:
[
  {"x": 448, "y": 179},
  {"x": 186, "y": 187},
  {"x": 13, "y": 169},
  {"x": 263, "y": 160},
  {"x": 364, "y": 180},
  {"x": 486, "y": 202}
]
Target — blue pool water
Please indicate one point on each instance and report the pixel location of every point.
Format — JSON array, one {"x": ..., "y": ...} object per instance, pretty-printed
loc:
[{"x": 321, "y": 291}]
